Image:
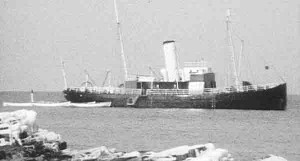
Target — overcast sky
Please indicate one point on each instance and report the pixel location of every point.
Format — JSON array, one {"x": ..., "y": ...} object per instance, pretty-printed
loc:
[{"x": 34, "y": 34}]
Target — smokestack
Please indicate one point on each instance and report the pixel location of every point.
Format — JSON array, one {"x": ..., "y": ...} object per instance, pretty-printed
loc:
[
  {"x": 170, "y": 60},
  {"x": 163, "y": 72}
]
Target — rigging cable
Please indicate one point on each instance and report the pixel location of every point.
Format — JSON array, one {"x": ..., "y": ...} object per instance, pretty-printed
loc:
[
  {"x": 89, "y": 77},
  {"x": 241, "y": 55},
  {"x": 106, "y": 77},
  {"x": 264, "y": 60}
]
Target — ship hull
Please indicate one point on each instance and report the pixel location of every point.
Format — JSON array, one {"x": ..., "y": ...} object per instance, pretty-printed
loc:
[{"x": 268, "y": 99}]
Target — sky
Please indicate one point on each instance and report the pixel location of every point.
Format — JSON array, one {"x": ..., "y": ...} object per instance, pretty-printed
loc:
[{"x": 35, "y": 34}]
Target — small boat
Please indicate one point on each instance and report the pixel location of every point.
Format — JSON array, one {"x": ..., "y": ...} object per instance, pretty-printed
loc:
[
  {"x": 51, "y": 104},
  {"x": 39, "y": 104},
  {"x": 33, "y": 103},
  {"x": 91, "y": 104},
  {"x": 16, "y": 104}
]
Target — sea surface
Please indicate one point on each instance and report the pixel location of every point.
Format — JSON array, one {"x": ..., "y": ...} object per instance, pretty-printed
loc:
[{"x": 247, "y": 134}]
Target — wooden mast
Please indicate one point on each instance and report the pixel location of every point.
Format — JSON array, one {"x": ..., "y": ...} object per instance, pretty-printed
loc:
[
  {"x": 121, "y": 41},
  {"x": 231, "y": 48}
]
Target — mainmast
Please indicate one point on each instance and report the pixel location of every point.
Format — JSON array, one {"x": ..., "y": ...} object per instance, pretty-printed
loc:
[
  {"x": 231, "y": 48},
  {"x": 121, "y": 40}
]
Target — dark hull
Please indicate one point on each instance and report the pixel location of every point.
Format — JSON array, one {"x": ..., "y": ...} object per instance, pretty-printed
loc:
[{"x": 269, "y": 99}]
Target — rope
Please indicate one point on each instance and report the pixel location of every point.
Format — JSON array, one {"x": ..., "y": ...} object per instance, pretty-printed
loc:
[
  {"x": 244, "y": 56},
  {"x": 251, "y": 71},
  {"x": 259, "y": 54}
]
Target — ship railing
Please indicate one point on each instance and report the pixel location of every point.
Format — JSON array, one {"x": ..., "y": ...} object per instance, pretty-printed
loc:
[
  {"x": 240, "y": 88},
  {"x": 116, "y": 90},
  {"x": 133, "y": 91},
  {"x": 131, "y": 77},
  {"x": 76, "y": 89},
  {"x": 167, "y": 92},
  {"x": 107, "y": 90},
  {"x": 258, "y": 87}
]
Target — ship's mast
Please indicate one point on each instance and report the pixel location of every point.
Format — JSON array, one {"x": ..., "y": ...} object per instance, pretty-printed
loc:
[
  {"x": 240, "y": 58},
  {"x": 231, "y": 48},
  {"x": 121, "y": 40},
  {"x": 64, "y": 73}
]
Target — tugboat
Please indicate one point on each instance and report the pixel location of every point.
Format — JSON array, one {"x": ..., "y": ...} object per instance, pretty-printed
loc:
[{"x": 194, "y": 86}]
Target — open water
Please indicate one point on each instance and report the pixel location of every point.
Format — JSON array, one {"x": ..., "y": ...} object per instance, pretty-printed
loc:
[{"x": 247, "y": 135}]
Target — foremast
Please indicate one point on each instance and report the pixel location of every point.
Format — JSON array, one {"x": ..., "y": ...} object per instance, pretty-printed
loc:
[
  {"x": 121, "y": 41},
  {"x": 231, "y": 48}
]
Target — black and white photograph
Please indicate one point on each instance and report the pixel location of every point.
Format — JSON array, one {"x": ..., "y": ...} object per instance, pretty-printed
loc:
[{"x": 149, "y": 80}]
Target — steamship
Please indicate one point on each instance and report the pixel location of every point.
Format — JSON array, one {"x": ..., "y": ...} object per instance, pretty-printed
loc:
[{"x": 193, "y": 86}]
